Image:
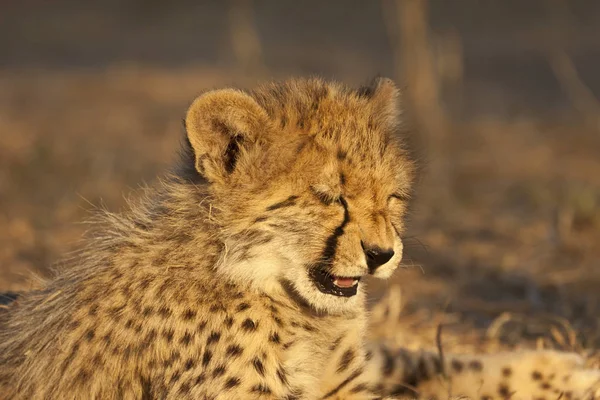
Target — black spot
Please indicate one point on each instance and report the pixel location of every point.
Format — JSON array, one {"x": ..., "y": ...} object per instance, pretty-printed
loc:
[
  {"x": 215, "y": 308},
  {"x": 506, "y": 372},
  {"x": 389, "y": 363},
  {"x": 128, "y": 352},
  {"x": 168, "y": 334},
  {"x": 147, "y": 311},
  {"x": 115, "y": 313},
  {"x": 83, "y": 376},
  {"x": 260, "y": 219},
  {"x": 545, "y": 386},
  {"x": 182, "y": 238},
  {"x": 423, "y": 370},
  {"x": 503, "y": 390},
  {"x": 537, "y": 375},
  {"x": 213, "y": 338},
  {"x": 234, "y": 350},
  {"x": 164, "y": 312},
  {"x": 146, "y": 281},
  {"x": 457, "y": 365},
  {"x": 229, "y": 322},
  {"x": 231, "y": 383},
  {"x": 218, "y": 371},
  {"x": 274, "y": 338},
  {"x": 278, "y": 321},
  {"x": 369, "y": 355},
  {"x": 290, "y": 201},
  {"x": 242, "y": 307},
  {"x": 189, "y": 364},
  {"x": 282, "y": 375},
  {"x": 249, "y": 325},
  {"x": 201, "y": 327},
  {"x": 342, "y": 179},
  {"x": 129, "y": 324},
  {"x": 345, "y": 361},
  {"x": 206, "y": 358},
  {"x": 93, "y": 310},
  {"x": 361, "y": 387},
  {"x": 89, "y": 335},
  {"x": 164, "y": 286},
  {"x": 301, "y": 146},
  {"x": 258, "y": 366},
  {"x": 184, "y": 388},
  {"x": 341, "y": 155},
  {"x": 189, "y": 314},
  {"x": 186, "y": 339},
  {"x": 476, "y": 365},
  {"x": 146, "y": 388},
  {"x": 98, "y": 361},
  {"x": 200, "y": 379},
  {"x": 175, "y": 377},
  {"x": 288, "y": 344},
  {"x": 308, "y": 328},
  {"x": 336, "y": 343},
  {"x": 486, "y": 397},
  {"x": 261, "y": 388}
]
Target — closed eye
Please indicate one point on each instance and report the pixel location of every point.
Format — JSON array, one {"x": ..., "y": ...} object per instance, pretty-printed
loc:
[
  {"x": 399, "y": 196},
  {"x": 325, "y": 198}
]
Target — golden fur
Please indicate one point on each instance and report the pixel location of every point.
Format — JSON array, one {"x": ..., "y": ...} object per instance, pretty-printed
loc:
[{"x": 218, "y": 284}]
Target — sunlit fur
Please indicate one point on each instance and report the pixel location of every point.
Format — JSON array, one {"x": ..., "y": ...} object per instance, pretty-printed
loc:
[
  {"x": 308, "y": 141},
  {"x": 202, "y": 290},
  {"x": 250, "y": 209}
]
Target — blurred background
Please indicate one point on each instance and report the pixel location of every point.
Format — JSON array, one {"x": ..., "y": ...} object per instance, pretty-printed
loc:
[{"x": 503, "y": 244}]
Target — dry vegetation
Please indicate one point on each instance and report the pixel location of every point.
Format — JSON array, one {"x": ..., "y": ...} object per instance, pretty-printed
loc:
[{"x": 503, "y": 249}]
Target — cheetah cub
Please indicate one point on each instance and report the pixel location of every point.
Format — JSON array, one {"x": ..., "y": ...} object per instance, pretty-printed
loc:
[{"x": 241, "y": 277}]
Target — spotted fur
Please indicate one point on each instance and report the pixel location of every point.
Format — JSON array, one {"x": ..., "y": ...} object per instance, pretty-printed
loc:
[{"x": 218, "y": 283}]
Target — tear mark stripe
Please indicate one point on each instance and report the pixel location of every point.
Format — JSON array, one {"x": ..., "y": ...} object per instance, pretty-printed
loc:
[{"x": 332, "y": 241}]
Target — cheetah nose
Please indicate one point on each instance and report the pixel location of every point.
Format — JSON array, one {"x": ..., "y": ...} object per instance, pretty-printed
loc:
[{"x": 376, "y": 256}]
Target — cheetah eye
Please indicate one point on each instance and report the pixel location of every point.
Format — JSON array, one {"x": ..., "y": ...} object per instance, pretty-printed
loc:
[
  {"x": 399, "y": 196},
  {"x": 326, "y": 198}
]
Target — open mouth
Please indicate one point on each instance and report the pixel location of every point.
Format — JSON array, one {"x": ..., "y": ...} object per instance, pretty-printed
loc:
[{"x": 343, "y": 286}]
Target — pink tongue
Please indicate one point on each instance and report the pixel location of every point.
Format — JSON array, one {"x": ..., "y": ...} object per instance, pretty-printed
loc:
[{"x": 344, "y": 282}]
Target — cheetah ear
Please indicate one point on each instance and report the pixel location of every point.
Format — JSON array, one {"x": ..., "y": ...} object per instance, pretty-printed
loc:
[
  {"x": 222, "y": 127},
  {"x": 385, "y": 98}
]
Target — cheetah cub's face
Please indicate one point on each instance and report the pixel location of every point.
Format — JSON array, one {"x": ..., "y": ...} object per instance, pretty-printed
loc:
[{"x": 307, "y": 182}]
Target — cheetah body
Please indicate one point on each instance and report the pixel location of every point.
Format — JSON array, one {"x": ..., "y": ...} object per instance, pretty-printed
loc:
[{"x": 237, "y": 278}]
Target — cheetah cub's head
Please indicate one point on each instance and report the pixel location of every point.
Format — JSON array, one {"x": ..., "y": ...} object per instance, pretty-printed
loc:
[{"x": 308, "y": 183}]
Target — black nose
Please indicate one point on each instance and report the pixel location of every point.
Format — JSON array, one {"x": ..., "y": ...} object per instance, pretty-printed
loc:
[{"x": 376, "y": 256}]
